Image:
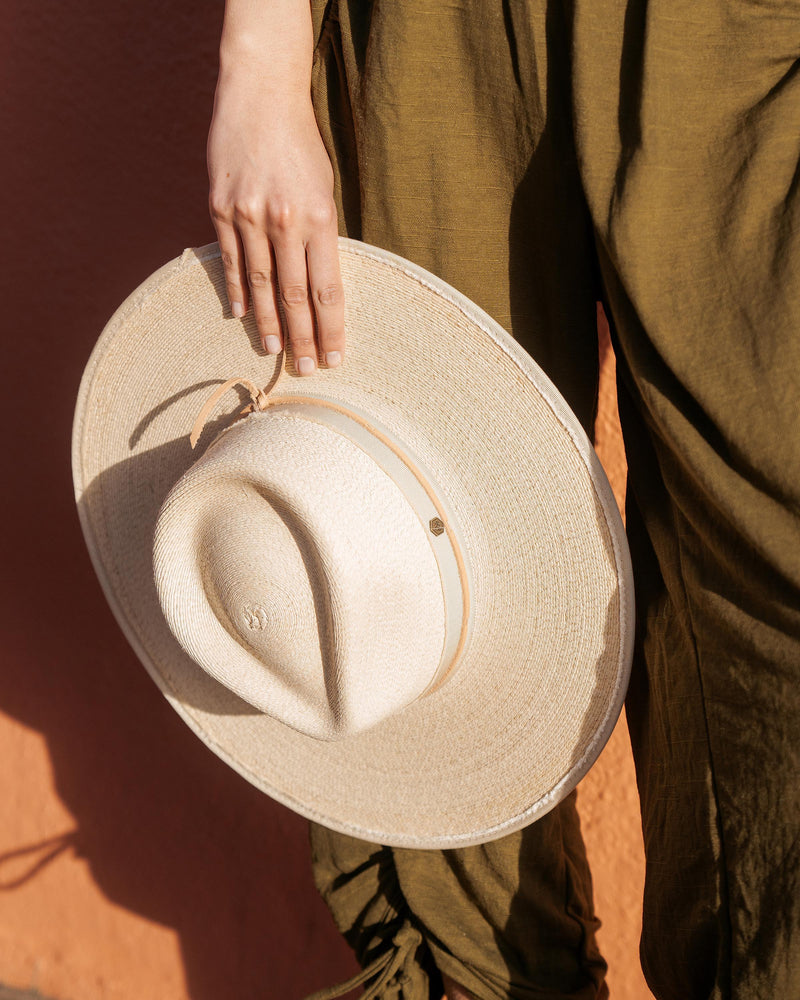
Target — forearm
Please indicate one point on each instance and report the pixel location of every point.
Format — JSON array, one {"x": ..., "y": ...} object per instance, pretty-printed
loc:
[
  {"x": 271, "y": 183},
  {"x": 268, "y": 43}
]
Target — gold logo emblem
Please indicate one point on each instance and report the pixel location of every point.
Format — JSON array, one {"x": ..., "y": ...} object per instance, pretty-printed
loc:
[{"x": 436, "y": 525}]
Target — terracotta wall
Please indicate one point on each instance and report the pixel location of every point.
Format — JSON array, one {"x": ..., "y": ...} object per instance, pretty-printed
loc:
[{"x": 133, "y": 864}]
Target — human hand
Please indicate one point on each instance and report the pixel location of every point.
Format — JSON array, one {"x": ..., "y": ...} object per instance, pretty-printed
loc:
[{"x": 271, "y": 201}]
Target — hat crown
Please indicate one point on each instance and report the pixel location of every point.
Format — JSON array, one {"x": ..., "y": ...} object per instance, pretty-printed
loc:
[{"x": 296, "y": 571}]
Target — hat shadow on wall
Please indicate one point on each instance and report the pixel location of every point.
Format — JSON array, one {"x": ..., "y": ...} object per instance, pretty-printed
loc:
[
  {"x": 168, "y": 831},
  {"x": 109, "y": 119}
]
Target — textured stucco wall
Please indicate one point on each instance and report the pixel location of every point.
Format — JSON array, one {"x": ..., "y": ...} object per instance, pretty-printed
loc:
[{"x": 133, "y": 864}]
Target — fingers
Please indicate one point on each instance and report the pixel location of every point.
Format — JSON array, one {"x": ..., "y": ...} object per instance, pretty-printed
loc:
[
  {"x": 325, "y": 282},
  {"x": 262, "y": 279},
  {"x": 290, "y": 256},
  {"x": 233, "y": 260},
  {"x": 307, "y": 278}
]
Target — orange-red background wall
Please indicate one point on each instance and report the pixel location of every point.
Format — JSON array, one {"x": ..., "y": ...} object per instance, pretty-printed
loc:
[{"x": 133, "y": 864}]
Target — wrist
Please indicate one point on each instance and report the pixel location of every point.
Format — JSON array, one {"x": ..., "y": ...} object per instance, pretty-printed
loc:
[
  {"x": 243, "y": 65},
  {"x": 259, "y": 79}
]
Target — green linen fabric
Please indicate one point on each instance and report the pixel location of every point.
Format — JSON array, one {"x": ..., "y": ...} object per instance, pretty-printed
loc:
[
  {"x": 509, "y": 918},
  {"x": 540, "y": 154}
]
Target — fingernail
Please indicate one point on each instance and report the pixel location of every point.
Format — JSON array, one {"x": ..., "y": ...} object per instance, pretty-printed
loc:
[
  {"x": 305, "y": 366},
  {"x": 333, "y": 358},
  {"x": 237, "y": 309},
  {"x": 273, "y": 345}
]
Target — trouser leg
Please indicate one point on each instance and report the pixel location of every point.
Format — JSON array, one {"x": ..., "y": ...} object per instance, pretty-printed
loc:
[
  {"x": 450, "y": 137},
  {"x": 690, "y": 164},
  {"x": 450, "y": 134},
  {"x": 511, "y": 918},
  {"x": 358, "y": 881}
]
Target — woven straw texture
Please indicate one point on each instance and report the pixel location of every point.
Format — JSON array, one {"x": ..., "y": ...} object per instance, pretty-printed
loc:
[{"x": 541, "y": 680}]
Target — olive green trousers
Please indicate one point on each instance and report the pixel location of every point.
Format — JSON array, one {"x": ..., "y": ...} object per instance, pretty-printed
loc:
[{"x": 539, "y": 155}]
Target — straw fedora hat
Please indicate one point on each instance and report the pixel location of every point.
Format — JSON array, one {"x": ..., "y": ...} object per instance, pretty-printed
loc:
[{"x": 396, "y": 595}]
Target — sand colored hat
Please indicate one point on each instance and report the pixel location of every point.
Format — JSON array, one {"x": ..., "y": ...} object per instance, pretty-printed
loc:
[{"x": 396, "y": 595}]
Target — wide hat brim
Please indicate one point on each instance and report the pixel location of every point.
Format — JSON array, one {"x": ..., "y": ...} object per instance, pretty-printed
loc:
[{"x": 541, "y": 680}]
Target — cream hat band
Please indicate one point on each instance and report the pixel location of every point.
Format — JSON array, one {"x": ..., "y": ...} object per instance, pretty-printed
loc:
[{"x": 402, "y": 611}]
